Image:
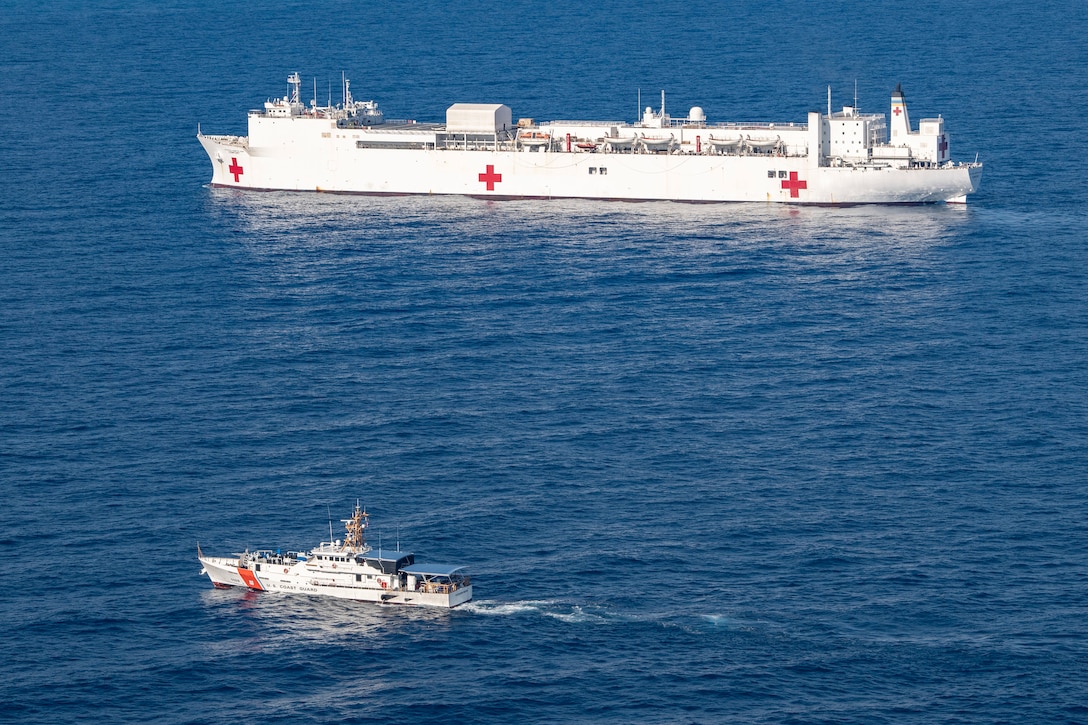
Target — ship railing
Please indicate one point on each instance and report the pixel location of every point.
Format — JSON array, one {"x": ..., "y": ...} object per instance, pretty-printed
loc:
[
  {"x": 444, "y": 584},
  {"x": 267, "y": 556},
  {"x": 228, "y": 140},
  {"x": 394, "y": 144},
  {"x": 745, "y": 125},
  {"x": 502, "y": 141},
  {"x": 686, "y": 123},
  {"x": 584, "y": 123},
  {"x": 926, "y": 164},
  {"x": 782, "y": 150},
  {"x": 436, "y": 588}
]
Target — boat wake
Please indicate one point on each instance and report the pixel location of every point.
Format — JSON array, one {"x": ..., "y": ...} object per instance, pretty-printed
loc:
[
  {"x": 571, "y": 613},
  {"x": 551, "y": 608}
]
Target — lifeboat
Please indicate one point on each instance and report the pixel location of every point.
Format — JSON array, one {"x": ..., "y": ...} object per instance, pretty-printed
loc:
[
  {"x": 763, "y": 144},
  {"x": 620, "y": 143},
  {"x": 534, "y": 138},
  {"x": 726, "y": 144},
  {"x": 657, "y": 144}
]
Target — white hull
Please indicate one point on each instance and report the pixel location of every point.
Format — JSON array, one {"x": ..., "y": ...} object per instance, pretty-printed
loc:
[
  {"x": 837, "y": 158},
  {"x": 306, "y": 578},
  {"x": 342, "y": 168},
  {"x": 345, "y": 570}
]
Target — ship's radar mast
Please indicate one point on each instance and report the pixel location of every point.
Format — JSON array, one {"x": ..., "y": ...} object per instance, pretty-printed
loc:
[
  {"x": 355, "y": 535},
  {"x": 295, "y": 82}
]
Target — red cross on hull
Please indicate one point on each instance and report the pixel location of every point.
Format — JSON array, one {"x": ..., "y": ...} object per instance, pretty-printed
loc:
[
  {"x": 490, "y": 178},
  {"x": 235, "y": 169},
  {"x": 794, "y": 185}
]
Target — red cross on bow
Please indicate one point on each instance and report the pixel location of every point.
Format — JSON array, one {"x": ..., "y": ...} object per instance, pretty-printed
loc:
[
  {"x": 897, "y": 110},
  {"x": 234, "y": 168},
  {"x": 490, "y": 178},
  {"x": 794, "y": 185}
]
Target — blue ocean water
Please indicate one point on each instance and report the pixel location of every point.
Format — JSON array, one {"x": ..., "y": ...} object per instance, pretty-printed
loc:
[{"x": 708, "y": 463}]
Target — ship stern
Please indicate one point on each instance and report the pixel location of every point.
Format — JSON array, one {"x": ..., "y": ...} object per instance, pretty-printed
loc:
[{"x": 971, "y": 183}]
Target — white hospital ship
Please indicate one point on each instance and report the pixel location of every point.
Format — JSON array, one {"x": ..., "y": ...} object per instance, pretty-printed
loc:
[
  {"x": 348, "y": 569},
  {"x": 842, "y": 157}
]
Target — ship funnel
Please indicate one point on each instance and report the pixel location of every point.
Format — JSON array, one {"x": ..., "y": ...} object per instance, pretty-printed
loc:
[{"x": 900, "y": 121}]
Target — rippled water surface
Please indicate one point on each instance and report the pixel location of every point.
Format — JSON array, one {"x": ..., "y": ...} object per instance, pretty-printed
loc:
[{"x": 708, "y": 463}]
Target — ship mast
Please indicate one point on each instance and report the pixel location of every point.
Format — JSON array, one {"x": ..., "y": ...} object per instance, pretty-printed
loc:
[
  {"x": 354, "y": 538},
  {"x": 295, "y": 83}
]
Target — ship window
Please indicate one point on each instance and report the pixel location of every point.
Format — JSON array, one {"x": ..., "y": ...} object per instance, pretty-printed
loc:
[
  {"x": 358, "y": 577},
  {"x": 781, "y": 174},
  {"x": 593, "y": 169},
  {"x": 258, "y": 567},
  {"x": 604, "y": 170},
  {"x": 770, "y": 174}
]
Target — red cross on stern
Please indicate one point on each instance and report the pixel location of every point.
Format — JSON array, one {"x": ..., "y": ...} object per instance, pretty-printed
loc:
[
  {"x": 490, "y": 178},
  {"x": 234, "y": 168},
  {"x": 794, "y": 185}
]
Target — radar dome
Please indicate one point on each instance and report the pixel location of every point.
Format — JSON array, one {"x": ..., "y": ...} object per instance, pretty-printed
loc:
[{"x": 696, "y": 114}]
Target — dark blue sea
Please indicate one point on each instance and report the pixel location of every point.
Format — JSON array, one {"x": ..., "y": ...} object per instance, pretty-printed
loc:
[{"x": 707, "y": 463}]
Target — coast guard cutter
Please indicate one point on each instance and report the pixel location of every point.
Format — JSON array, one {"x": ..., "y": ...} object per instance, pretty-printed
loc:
[{"x": 348, "y": 569}]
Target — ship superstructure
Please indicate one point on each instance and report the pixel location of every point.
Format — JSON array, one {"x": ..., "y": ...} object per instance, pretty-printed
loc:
[
  {"x": 346, "y": 569},
  {"x": 840, "y": 157}
]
